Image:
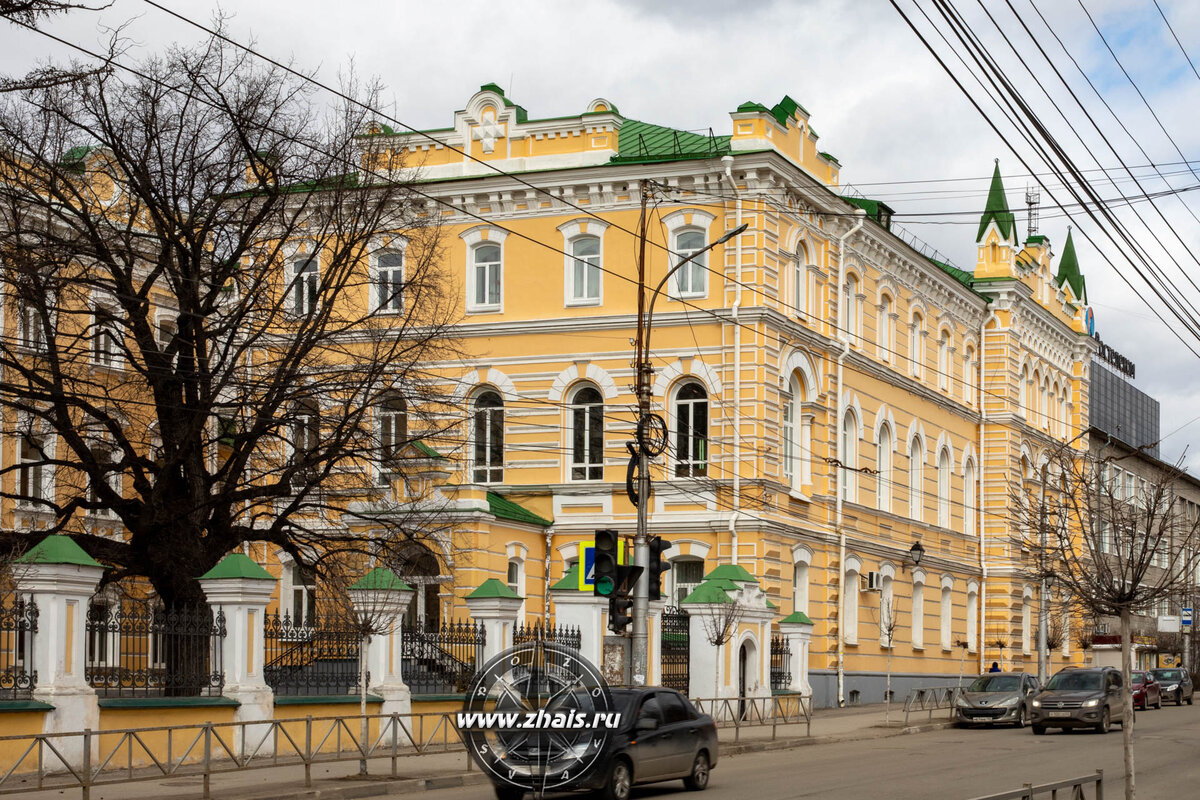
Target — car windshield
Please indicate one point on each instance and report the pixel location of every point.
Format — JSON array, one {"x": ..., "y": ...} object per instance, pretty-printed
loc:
[
  {"x": 1167, "y": 674},
  {"x": 995, "y": 683},
  {"x": 1076, "y": 682},
  {"x": 1139, "y": 678}
]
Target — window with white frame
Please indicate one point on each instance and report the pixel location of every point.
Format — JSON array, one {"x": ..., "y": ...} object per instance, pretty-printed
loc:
[
  {"x": 516, "y": 576},
  {"x": 799, "y": 287},
  {"x": 916, "y": 479},
  {"x": 686, "y": 574},
  {"x": 587, "y": 434},
  {"x": 887, "y": 613},
  {"x": 31, "y": 333},
  {"x": 885, "y": 449},
  {"x": 584, "y": 274},
  {"x": 851, "y": 315},
  {"x": 488, "y": 438},
  {"x": 849, "y": 466},
  {"x": 1026, "y": 625},
  {"x": 393, "y": 425},
  {"x": 106, "y": 336},
  {"x": 969, "y": 368},
  {"x": 918, "y": 612},
  {"x": 850, "y": 605},
  {"x": 691, "y": 431},
  {"x": 887, "y": 327},
  {"x": 800, "y": 587},
  {"x": 972, "y": 618},
  {"x": 389, "y": 282},
  {"x": 916, "y": 346},
  {"x": 486, "y": 278},
  {"x": 306, "y": 429},
  {"x": 31, "y": 475},
  {"x": 970, "y": 511},
  {"x": 943, "y": 488},
  {"x": 692, "y": 279},
  {"x": 306, "y": 279},
  {"x": 944, "y": 361},
  {"x": 947, "y": 618},
  {"x": 303, "y": 606}
]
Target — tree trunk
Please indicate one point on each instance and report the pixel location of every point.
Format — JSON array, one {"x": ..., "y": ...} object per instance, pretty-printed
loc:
[
  {"x": 365, "y": 730},
  {"x": 1127, "y": 701},
  {"x": 887, "y": 693}
]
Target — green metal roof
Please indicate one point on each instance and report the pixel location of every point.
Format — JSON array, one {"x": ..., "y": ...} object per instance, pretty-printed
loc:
[
  {"x": 640, "y": 142},
  {"x": 507, "y": 509},
  {"x": 830, "y": 157},
  {"x": 570, "y": 580},
  {"x": 997, "y": 211},
  {"x": 1068, "y": 270},
  {"x": 731, "y": 572},
  {"x": 237, "y": 565},
  {"x": 427, "y": 450},
  {"x": 797, "y": 617},
  {"x": 57, "y": 549},
  {"x": 708, "y": 592},
  {"x": 877, "y": 210},
  {"x": 493, "y": 588},
  {"x": 382, "y": 578}
]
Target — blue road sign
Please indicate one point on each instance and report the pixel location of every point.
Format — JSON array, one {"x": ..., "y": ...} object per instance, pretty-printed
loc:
[{"x": 587, "y": 561}]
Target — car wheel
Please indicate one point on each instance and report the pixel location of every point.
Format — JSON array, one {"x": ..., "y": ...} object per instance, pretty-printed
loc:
[
  {"x": 508, "y": 792},
  {"x": 620, "y": 781},
  {"x": 1105, "y": 722},
  {"x": 1189, "y": 700},
  {"x": 1039, "y": 730},
  {"x": 1179, "y": 697},
  {"x": 1020, "y": 721},
  {"x": 698, "y": 780},
  {"x": 1158, "y": 705}
]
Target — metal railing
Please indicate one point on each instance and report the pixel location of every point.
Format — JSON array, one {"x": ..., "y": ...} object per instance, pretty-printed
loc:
[
  {"x": 18, "y": 624},
  {"x": 746, "y": 712},
  {"x": 144, "y": 754},
  {"x": 1073, "y": 785},
  {"x": 781, "y": 662},
  {"x": 931, "y": 699},
  {"x": 442, "y": 661},
  {"x": 318, "y": 656},
  {"x": 566, "y": 635}
]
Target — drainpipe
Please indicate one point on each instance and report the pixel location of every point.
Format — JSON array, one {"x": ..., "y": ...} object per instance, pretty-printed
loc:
[
  {"x": 737, "y": 370},
  {"x": 983, "y": 567},
  {"x": 843, "y": 335},
  {"x": 546, "y": 582}
]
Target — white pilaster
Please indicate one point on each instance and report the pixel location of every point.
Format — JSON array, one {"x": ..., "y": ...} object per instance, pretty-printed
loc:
[{"x": 584, "y": 611}]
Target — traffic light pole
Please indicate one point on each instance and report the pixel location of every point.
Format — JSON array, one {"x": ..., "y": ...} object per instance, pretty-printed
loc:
[{"x": 645, "y": 372}]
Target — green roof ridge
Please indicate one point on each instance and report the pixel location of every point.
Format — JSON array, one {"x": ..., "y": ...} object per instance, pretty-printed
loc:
[
  {"x": 493, "y": 588},
  {"x": 570, "y": 580},
  {"x": 708, "y": 592},
  {"x": 644, "y": 142},
  {"x": 731, "y": 572},
  {"x": 504, "y": 508},
  {"x": 796, "y": 617},
  {"x": 426, "y": 449},
  {"x": 58, "y": 548},
  {"x": 997, "y": 211},
  {"x": 382, "y": 578},
  {"x": 1068, "y": 269},
  {"x": 237, "y": 565}
]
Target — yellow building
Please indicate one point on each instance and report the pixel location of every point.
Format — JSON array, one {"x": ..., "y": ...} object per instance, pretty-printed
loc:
[{"x": 832, "y": 396}]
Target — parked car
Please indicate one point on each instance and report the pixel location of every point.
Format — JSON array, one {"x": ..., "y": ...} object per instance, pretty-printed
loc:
[
  {"x": 1147, "y": 692},
  {"x": 1176, "y": 684},
  {"x": 1079, "y": 698},
  {"x": 661, "y": 737},
  {"x": 996, "y": 697}
]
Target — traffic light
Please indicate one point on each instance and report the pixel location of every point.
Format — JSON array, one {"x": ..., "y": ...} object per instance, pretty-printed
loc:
[
  {"x": 657, "y": 566},
  {"x": 604, "y": 564},
  {"x": 620, "y": 604}
]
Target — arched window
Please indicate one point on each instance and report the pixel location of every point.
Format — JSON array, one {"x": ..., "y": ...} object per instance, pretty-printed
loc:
[
  {"x": 1044, "y": 405},
  {"x": 972, "y": 618},
  {"x": 947, "y": 618},
  {"x": 800, "y": 587},
  {"x": 486, "y": 278},
  {"x": 969, "y": 368},
  {"x": 887, "y": 613},
  {"x": 1023, "y": 393},
  {"x": 1026, "y": 624},
  {"x": 691, "y": 431},
  {"x": 850, "y": 605},
  {"x": 585, "y": 271},
  {"x": 887, "y": 328},
  {"x": 916, "y": 347},
  {"x": 849, "y": 457},
  {"x": 488, "y": 435},
  {"x": 306, "y": 276},
  {"x": 884, "y": 478},
  {"x": 970, "y": 510},
  {"x": 916, "y": 478},
  {"x": 918, "y": 611},
  {"x": 393, "y": 425},
  {"x": 944, "y": 361},
  {"x": 692, "y": 279},
  {"x": 800, "y": 283},
  {"x": 943, "y": 488},
  {"x": 587, "y": 435},
  {"x": 851, "y": 316},
  {"x": 306, "y": 428},
  {"x": 389, "y": 281}
]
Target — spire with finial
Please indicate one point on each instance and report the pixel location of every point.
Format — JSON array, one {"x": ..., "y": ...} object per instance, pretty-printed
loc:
[
  {"x": 997, "y": 211},
  {"x": 1068, "y": 270}
]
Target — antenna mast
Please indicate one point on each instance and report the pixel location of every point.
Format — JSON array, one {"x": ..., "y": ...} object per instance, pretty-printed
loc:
[{"x": 1033, "y": 198}]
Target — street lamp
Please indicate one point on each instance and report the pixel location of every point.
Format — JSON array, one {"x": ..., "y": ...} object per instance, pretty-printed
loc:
[
  {"x": 641, "y": 548},
  {"x": 916, "y": 553}
]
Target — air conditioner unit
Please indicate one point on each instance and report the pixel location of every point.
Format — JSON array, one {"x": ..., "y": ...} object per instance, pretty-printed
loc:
[{"x": 871, "y": 582}]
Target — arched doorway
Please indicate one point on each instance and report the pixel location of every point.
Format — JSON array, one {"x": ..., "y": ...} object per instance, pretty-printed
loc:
[
  {"x": 419, "y": 568},
  {"x": 743, "y": 663}
]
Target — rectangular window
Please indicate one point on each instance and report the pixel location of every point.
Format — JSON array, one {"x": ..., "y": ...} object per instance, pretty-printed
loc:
[
  {"x": 31, "y": 485},
  {"x": 304, "y": 286},
  {"x": 389, "y": 282},
  {"x": 105, "y": 338},
  {"x": 32, "y": 335},
  {"x": 692, "y": 279},
  {"x": 585, "y": 270},
  {"x": 485, "y": 278}
]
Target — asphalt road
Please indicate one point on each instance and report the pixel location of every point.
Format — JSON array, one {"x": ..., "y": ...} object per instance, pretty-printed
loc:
[{"x": 954, "y": 764}]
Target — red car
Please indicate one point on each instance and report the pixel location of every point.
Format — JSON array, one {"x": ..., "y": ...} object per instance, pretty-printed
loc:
[{"x": 1147, "y": 692}]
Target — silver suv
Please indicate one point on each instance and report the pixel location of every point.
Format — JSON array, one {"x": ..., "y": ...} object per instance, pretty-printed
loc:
[{"x": 1079, "y": 698}]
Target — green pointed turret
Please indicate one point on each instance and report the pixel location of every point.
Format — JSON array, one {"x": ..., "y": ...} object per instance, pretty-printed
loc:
[
  {"x": 997, "y": 211},
  {"x": 1068, "y": 271}
]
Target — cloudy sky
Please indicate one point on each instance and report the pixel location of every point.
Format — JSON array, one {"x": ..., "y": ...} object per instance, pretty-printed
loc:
[{"x": 902, "y": 129}]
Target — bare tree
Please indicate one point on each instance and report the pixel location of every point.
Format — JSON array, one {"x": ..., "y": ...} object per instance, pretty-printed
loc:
[
  {"x": 1113, "y": 551},
  {"x": 30, "y": 14},
  {"x": 206, "y": 344},
  {"x": 887, "y": 633},
  {"x": 720, "y": 624}
]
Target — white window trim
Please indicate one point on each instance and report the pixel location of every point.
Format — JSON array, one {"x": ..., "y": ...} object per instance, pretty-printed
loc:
[
  {"x": 397, "y": 246},
  {"x": 116, "y": 357},
  {"x": 676, "y": 223},
  {"x": 571, "y": 232},
  {"x": 918, "y": 611},
  {"x": 672, "y": 428},
  {"x": 475, "y": 237}
]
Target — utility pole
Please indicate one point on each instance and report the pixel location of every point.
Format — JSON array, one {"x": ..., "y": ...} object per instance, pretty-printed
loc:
[
  {"x": 1043, "y": 604},
  {"x": 641, "y": 549}
]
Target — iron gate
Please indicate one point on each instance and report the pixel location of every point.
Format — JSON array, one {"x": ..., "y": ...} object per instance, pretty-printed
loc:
[{"x": 675, "y": 647}]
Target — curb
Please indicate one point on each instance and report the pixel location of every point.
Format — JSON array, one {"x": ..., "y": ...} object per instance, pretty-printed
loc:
[{"x": 739, "y": 748}]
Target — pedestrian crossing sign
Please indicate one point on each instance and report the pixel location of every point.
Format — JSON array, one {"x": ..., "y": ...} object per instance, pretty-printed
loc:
[{"x": 587, "y": 561}]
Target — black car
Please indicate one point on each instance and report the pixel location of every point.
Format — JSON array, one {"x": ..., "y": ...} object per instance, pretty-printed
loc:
[
  {"x": 661, "y": 737},
  {"x": 1176, "y": 684},
  {"x": 1079, "y": 698}
]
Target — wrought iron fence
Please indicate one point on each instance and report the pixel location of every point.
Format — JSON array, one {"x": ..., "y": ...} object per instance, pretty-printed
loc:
[
  {"x": 18, "y": 624},
  {"x": 137, "y": 647},
  {"x": 442, "y": 661},
  {"x": 316, "y": 656},
  {"x": 675, "y": 657},
  {"x": 565, "y": 635},
  {"x": 781, "y": 662}
]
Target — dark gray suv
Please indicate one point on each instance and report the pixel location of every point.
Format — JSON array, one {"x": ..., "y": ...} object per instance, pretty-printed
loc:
[
  {"x": 1176, "y": 684},
  {"x": 1079, "y": 698}
]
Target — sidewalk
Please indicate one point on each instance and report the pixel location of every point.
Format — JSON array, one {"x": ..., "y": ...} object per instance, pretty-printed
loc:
[{"x": 417, "y": 773}]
